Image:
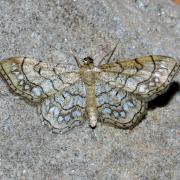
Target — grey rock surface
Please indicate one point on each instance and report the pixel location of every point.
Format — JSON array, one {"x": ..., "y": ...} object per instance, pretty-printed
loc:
[{"x": 43, "y": 29}]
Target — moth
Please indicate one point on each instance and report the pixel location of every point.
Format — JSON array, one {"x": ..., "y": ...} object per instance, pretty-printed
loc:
[{"x": 115, "y": 93}]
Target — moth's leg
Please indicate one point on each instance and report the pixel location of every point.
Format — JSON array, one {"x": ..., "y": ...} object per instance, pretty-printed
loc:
[{"x": 110, "y": 54}]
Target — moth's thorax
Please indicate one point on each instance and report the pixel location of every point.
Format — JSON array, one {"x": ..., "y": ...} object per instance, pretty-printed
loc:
[{"x": 89, "y": 74}]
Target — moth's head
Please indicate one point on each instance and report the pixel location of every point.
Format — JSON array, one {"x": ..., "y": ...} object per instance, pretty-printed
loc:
[{"x": 88, "y": 61}]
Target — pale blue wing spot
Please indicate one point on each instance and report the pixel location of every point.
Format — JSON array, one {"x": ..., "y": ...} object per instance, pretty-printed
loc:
[
  {"x": 102, "y": 89},
  {"x": 106, "y": 98},
  {"x": 47, "y": 86},
  {"x": 78, "y": 90},
  {"x": 113, "y": 92},
  {"x": 76, "y": 113},
  {"x": 51, "y": 110},
  {"x": 54, "y": 111},
  {"x": 106, "y": 110},
  {"x": 126, "y": 106},
  {"x": 101, "y": 100},
  {"x": 116, "y": 114},
  {"x": 20, "y": 77},
  {"x": 80, "y": 101},
  {"x": 37, "y": 91},
  {"x": 81, "y": 90},
  {"x": 47, "y": 105},
  {"x": 47, "y": 102},
  {"x": 37, "y": 81},
  {"x": 73, "y": 89},
  {"x": 122, "y": 114},
  {"x": 67, "y": 118},
  {"x": 60, "y": 119},
  {"x": 66, "y": 95},
  {"x": 98, "y": 89},
  {"x": 119, "y": 97},
  {"x": 107, "y": 87},
  {"x": 68, "y": 104},
  {"x": 131, "y": 104}
]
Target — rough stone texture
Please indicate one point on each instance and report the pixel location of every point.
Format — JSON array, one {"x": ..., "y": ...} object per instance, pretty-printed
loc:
[{"x": 45, "y": 28}]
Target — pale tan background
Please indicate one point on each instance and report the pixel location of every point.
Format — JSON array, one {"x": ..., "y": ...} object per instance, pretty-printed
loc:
[{"x": 43, "y": 29}]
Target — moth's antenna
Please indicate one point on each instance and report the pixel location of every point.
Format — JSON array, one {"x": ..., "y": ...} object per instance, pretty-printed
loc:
[
  {"x": 108, "y": 60},
  {"x": 111, "y": 54},
  {"x": 76, "y": 59},
  {"x": 104, "y": 58}
]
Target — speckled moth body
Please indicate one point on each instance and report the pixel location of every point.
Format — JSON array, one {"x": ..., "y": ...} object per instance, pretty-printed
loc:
[{"x": 116, "y": 93}]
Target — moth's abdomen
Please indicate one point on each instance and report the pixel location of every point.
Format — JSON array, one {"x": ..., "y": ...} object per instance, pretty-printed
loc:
[{"x": 91, "y": 106}]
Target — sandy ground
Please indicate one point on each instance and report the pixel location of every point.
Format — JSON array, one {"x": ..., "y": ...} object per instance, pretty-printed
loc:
[{"x": 43, "y": 29}]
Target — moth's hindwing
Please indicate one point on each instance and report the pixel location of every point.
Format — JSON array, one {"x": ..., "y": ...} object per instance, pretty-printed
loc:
[
  {"x": 146, "y": 76},
  {"x": 118, "y": 107},
  {"x": 65, "y": 109}
]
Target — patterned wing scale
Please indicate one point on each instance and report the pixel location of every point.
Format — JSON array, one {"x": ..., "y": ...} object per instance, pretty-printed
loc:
[
  {"x": 36, "y": 80},
  {"x": 146, "y": 76},
  {"x": 65, "y": 110},
  {"x": 117, "y": 107}
]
